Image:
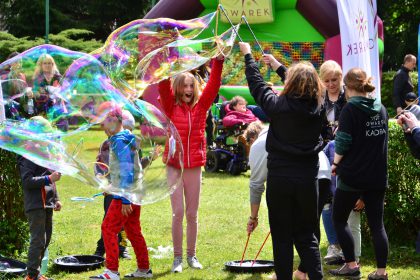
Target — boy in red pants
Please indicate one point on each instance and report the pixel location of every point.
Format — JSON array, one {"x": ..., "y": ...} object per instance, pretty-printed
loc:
[{"x": 125, "y": 170}]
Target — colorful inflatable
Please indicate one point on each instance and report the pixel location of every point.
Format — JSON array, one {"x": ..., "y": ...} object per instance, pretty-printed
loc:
[{"x": 291, "y": 30}]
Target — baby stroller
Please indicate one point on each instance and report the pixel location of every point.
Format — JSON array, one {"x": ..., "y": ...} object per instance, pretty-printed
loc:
[{"x": 228, "y": 152}]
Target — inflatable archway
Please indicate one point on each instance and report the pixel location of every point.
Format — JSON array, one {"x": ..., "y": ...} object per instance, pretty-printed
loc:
[{"x": 291, "y": 30}]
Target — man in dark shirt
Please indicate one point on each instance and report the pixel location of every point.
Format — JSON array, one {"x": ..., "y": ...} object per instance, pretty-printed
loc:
[{"x": 403, "y": 83}]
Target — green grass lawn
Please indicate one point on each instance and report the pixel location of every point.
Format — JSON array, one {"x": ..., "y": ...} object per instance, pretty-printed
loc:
[{"x": 223, "y": 214}]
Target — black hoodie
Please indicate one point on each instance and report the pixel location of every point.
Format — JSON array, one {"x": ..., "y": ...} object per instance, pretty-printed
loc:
[
  {"x": 362, "y": 139},
  {"x": 293, "y": 139},
  {"x": 38, "y": 193}
]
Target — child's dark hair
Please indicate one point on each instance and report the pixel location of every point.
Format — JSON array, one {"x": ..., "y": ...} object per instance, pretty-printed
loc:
[
  {"x": 235, "y": 101},
  {"x": 410, "y": 97}
]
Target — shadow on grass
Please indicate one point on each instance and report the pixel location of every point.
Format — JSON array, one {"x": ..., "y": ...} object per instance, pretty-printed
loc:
[
  {"x": 222, "y": 174},
  {"x": 162, "y": 274}
]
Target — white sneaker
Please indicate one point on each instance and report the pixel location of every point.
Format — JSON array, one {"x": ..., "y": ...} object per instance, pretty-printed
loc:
[
  {"x": 177, "y": 265},
  {"x": 140, "y": 273},
  {"x": 333, "y": 253},
  {"x": 194, "y": 263},
  {"x": 107, "y": 274}
]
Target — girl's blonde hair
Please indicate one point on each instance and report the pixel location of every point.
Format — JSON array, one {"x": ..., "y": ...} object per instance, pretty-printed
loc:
[
  {"x": 302, "y": 81},
  {"x": 178, "y": 88},
  {"x": 41, "y": 59},
  {"x": 357, "y": 79},
  {"x": 330, "y": 67}
]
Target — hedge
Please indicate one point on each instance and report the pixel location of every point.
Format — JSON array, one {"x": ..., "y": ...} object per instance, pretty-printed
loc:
[
  {"x": 72, "y": 39},
  {"x": 14, "y": 233}
]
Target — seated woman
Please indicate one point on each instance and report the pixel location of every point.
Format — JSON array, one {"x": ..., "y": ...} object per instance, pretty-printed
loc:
[{"x": 237, "y": 113}]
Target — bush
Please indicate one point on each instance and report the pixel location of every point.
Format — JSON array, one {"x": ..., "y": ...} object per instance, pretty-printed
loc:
[
  {"x": 386, "y": 88},
  {"x": 72, "y": 39},
  {"x": 402, "y": 198},
  {"x": 14, "y": 232}
]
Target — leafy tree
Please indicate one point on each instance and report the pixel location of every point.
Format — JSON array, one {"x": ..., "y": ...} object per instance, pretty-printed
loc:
[
  {"x": 401, "y": 23},
  {"x": 27, "y": 17}
]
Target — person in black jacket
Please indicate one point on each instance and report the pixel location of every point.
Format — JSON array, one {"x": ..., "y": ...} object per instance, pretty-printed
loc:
[
  {"x": 403, "y": 83},
  {"x": 360, "y": 161},
  {"x": 293, "y": 143},
  {"x": 40, "y": 199}
]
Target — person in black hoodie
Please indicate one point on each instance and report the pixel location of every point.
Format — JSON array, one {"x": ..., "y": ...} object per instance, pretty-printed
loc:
[
  {"x": 293, "y": 143},
  {"x": 40, "y": 199},
  {"x": 360, "y": 161},
  {"x": 402, "y": 82}
]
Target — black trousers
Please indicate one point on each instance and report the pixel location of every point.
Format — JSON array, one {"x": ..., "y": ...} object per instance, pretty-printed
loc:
[
  {"x": 343, "y": 203},
  {"x": 292, "y": 210},
  {"x": 40, "y": 228},
  {"x": 209, "y": 128},
  {"x": 324, "y": 196}
]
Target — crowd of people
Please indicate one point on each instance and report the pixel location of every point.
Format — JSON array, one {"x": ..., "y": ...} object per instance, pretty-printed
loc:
[
  {"x": 324, "y": 153},
  {"x": 354, "y": 137}
]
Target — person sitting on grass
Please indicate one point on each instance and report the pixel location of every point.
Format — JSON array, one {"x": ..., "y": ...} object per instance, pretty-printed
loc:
[
  {"x": 125, "y": 171},
  {"x": 237, "y": 113}
]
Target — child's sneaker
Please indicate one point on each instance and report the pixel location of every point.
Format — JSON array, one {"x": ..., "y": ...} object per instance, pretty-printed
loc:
[
  {"x": 374, "y": 276},
  {"x": 140, "y": 273},
  {"x": 107, "y": 274},
  {"x": 347, "y": 272},
  {"x": 194, "y": 263},
  {"x": 177, "y": 265}
]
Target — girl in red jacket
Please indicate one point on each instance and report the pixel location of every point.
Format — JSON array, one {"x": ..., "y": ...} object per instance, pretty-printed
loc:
[{"x": 187, "y": 110}]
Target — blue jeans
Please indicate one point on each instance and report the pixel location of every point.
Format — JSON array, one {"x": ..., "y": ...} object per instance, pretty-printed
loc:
[{"x": 328, "y": 224}]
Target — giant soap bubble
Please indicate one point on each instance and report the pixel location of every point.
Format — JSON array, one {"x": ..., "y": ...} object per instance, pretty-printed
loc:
[
  {"x": 127, "y": 45},
  {"x": 182, "y": 55},
  {"x": 72, "y": 91}
]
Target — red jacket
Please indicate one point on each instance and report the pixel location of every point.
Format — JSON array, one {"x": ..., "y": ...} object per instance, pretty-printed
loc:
[
  {"x": 234, "y": 117},
  {"x": 191, "y": 122}
]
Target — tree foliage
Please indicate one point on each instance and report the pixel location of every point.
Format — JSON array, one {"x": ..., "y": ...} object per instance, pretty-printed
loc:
[
  {"x": 27, "y": 17},
  {"x": 401, "y": 25}
]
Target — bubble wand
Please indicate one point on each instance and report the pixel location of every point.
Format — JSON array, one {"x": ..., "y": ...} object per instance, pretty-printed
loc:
[
  {"x": 253, "y": 34},
  {"x": 262, "y": 246},
  {"x": 246, "y": 246},
  {"x": 220, "y": 7}
]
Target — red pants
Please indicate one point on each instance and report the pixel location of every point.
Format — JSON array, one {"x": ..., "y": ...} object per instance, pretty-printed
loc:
[{"x": 112, "y": 225}]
